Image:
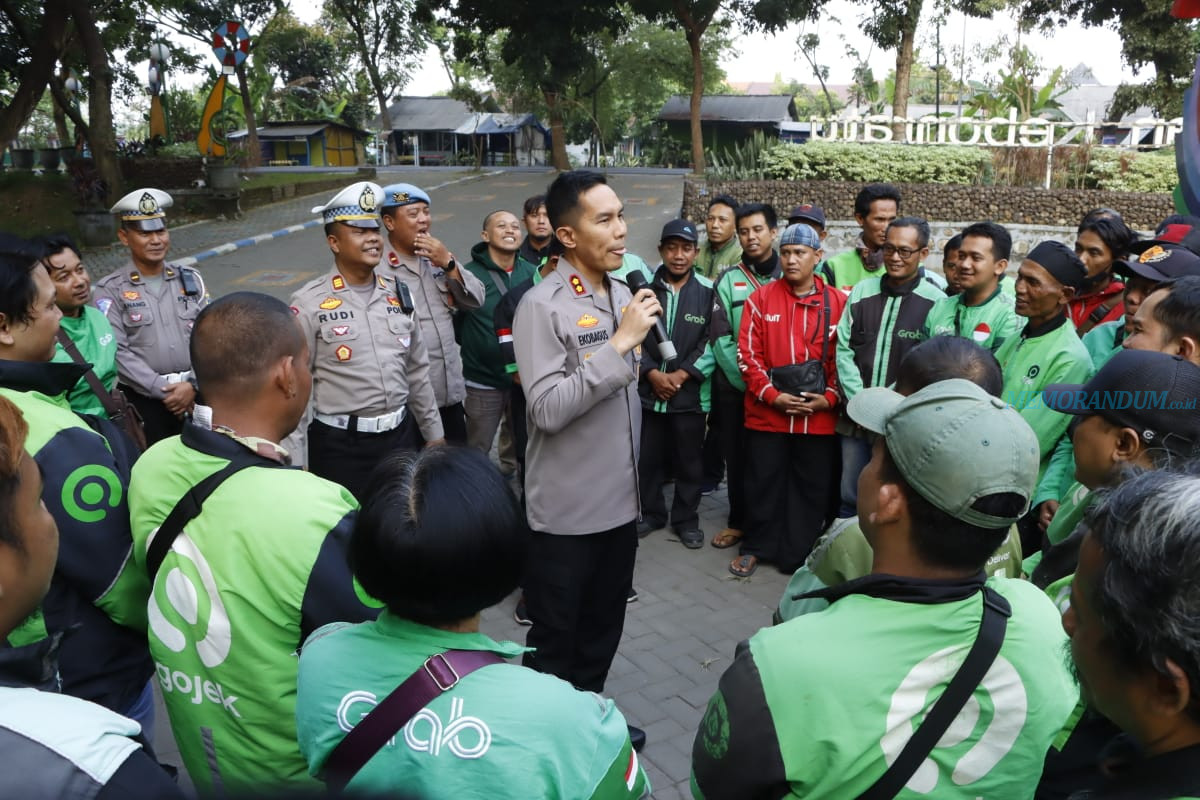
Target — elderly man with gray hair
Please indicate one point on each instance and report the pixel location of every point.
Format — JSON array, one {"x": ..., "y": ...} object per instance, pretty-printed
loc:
[{"x": 1135, "y": 633}]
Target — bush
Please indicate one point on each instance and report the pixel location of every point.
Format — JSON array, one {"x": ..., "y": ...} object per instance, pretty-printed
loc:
[
  {"x": 858, "y": 162},
  {"x": 1125, "y": 171}
]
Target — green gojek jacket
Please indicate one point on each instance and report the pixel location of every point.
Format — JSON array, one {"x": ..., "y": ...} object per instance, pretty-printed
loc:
[
  {"x": 881, "y": 323},
  {"x": 504, "y": 731},
  {"x": 1038, "y": 357},
  {"x": 93, "y": 334},
  {"x": 730, "y": 290},
  {"x": 85, "y": 470},
  {"x": 988, "y": 324},
  {"x": 483, "y": 361},
  {"x": 260, "y": 568},
  {"x": 791, "y": 719}
]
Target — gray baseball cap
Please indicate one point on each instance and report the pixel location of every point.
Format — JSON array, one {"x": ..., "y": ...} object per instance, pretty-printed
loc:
[{"x": 954, "y": 444}]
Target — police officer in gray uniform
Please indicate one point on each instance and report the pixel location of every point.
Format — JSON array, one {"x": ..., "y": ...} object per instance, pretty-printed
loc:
[
  {"x": 577, "y": 337},
  {"x": 152, "y": 306},
  {"x": 368, "y": 359},
  {"x": 441, "y": 288}
]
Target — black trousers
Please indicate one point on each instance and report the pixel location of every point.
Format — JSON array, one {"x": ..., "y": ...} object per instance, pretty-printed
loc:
[
  {"x": 159, "y": 423},
  {"x": 671, "y": 443},
  {"x": 728, "y": 404},
  {"x": 454, "y": 424},
  {"x": 575, "y": 592},
  {"x": 520, "y": 431},
  {"x": 714, "y": 459},
  {"x": 349, "y": 457},
  {"x": 795, "y": 478}
]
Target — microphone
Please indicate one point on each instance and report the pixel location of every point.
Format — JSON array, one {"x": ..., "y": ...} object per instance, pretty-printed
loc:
[{"x": 666, "y": 348}]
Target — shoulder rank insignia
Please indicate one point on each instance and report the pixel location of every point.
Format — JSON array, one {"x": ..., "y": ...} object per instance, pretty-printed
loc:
[
  {"x": 339, "y": 283},
  {"x": 135, "y": 277},
  {"x": 379, "y": 280},
  {"x": 393, "y": 259},
  {"x": 577, "y": 285},
  {"x": 330, "y": 303}
]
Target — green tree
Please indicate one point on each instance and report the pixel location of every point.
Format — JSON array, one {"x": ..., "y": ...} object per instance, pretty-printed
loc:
[
  {"x": 542, "y": 41},
  {"x": 197, "y": 19},
  {"x": 1149, "y": 36},
  {"x": 386, "y": 38}
]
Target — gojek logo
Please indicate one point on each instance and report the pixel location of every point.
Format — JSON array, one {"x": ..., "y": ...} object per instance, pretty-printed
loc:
[
  {"x": 979, "y": 737},
  {"x": 186, "y": 610},
  {"x": 90, "y": 491},
  {"x": 425, "y": 732}
]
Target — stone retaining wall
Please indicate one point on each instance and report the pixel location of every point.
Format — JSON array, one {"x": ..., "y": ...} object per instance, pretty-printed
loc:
[{"x": 936, "y": 202}]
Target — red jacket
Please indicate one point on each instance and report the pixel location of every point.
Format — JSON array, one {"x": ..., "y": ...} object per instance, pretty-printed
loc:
[
  {"x": 778, "y": 329},
  {"x": 1082, "y": 306}
]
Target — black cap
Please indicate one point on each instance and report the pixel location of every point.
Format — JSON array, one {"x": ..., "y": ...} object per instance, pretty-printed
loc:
[
  {"x": 1060, "y": 261},
  {"x": 1154, "y": 393},
  {"x": 1159, "y": 263},
  {"x": 1176, "y": 236},
  {"x": 679, "y": 229},
  {"x": 807, "y": 212}
]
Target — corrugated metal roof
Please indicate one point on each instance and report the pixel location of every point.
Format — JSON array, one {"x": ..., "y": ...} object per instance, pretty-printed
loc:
[
  {"x": 484, "y": 123},
  {"x": 731, "y": 108},
  {"x": 425, "y": 114}
]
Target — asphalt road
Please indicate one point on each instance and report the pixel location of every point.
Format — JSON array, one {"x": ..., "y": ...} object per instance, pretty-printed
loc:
[{"x": 280, "y": 266}]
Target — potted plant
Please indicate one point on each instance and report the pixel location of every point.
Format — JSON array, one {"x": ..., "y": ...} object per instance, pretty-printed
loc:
[
  {"x": 47, "y": 156},
  {"x": 92, "y": 218},
  {"x": 22, "y": 155},
  {"x": 224, "y": 173}
]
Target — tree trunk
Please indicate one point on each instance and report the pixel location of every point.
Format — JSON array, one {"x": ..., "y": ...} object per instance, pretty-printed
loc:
[
  {"x": 102, "y": 138},
  {"x": 254, "y": 157},
  {"x": 693, "y": 39},
  {"x": 45, "y": 45},
  {"x": 904, "y": 63},
  {"x": 558, "y": 142},
  {"x": 376, "y": 80}
]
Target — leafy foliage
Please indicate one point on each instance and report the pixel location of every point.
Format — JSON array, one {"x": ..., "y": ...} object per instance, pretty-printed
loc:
[
  {"x": 1124, "y": 171},
  {"x": 850, "y": 161}
]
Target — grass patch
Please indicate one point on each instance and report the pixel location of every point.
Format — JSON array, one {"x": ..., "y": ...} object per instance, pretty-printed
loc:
[
  {"x": 262, "y": 181},
  {"x": 35, "y": 205}
]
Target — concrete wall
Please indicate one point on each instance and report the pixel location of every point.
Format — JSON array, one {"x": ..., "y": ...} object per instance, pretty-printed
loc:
[{"x": 1030, "y": 215}]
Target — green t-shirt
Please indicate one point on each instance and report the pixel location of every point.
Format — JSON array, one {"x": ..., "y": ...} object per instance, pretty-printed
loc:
[
  {"x": 819, "y": 706},
  {"x": 260, "y": 568},
  {"x": 92, "y": 333},
  {"x": 848, "y": 269},
  {"x": 502, "y": 731},
  {"x": 988, "y": 324}
]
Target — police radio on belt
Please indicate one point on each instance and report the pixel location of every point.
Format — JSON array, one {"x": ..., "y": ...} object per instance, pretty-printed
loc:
[{"x": 666, "y": 348}]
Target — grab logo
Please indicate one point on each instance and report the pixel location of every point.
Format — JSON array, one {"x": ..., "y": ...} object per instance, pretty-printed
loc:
[
  {"x": 992, "y": 727},
  {"x": 465, "y": 737},
  {"x": 186, "y": 608}
]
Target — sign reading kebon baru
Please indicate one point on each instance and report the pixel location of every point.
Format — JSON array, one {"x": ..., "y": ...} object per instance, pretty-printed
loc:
[{"x": 993, "y": 131}]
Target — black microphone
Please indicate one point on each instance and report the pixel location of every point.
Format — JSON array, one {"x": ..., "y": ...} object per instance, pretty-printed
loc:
[{"x": 666, "y": 348}]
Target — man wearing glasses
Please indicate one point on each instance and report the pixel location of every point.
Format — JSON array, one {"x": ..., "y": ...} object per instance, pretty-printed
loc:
[{"x": 883, "y": 320}]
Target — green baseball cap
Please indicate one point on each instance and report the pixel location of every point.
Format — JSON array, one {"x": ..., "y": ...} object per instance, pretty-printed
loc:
[{"x": 954, "y": 444}]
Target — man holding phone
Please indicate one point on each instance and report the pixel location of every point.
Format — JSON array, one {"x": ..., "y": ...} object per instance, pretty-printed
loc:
[{"x": 365, "y": 351}]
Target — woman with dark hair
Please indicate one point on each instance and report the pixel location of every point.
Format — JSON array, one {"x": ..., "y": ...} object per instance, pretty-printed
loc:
[
  {"x": 439, "y": 538},
  {"x": 51, "y": 745},
  {"x": 1102, "y": 238}
]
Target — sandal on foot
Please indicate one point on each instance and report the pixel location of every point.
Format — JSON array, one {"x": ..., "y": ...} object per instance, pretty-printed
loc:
[
  {"x": 728, "y": 537},
  {"x": 743, "y": 566}
]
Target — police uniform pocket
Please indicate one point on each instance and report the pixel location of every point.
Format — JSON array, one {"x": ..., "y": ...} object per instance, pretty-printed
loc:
[
  {"x": 137, "y": 317},
  {"x": 401, "y": 327},
  {"x": 335, "y": 332}
]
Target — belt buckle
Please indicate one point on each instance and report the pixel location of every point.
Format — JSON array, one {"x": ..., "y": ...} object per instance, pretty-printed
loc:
[{"x": 432, "y": 668}]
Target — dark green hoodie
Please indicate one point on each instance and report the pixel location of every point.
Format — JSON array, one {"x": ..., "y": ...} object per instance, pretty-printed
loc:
[{"x": 482, "y": 361}]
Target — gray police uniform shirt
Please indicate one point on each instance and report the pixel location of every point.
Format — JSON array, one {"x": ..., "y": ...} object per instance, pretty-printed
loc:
[
  {"x": 366, "y": 354},
  {"x": 436, "y": 295},
  {"x": 583, "y": 410},
  {"x": 152, "y": 324}
]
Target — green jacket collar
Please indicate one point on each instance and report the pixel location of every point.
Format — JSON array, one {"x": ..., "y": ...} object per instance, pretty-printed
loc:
[{"x": 437, "y": 640}]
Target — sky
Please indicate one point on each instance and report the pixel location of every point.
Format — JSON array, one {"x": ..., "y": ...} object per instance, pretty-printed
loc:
[{"x": 759, "y": 58}]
